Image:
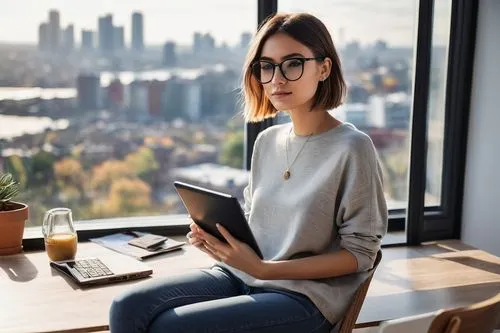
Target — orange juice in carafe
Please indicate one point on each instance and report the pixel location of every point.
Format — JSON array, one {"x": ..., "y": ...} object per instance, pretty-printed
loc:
[
  {"x": 61, "y": 246},
  {"x": 59, "y": 234}
]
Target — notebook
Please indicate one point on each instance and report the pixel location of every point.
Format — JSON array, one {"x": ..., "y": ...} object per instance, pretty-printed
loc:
[{"x": 119, "y": 242}]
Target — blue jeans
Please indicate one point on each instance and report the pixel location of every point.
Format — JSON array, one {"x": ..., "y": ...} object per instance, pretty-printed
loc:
[{"x": 213, "y": 301}]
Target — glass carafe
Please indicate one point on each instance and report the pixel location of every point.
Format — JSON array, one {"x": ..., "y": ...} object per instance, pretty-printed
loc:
[{"x": 59, "y": 234}]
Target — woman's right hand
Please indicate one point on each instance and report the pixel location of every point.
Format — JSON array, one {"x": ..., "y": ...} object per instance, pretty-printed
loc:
[{"x": 195, "y": 240}]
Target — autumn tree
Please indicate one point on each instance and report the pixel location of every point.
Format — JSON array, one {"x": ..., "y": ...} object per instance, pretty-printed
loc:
[
  {"x": 143, "y": 163},
  {"x": 16, "y": 167},
  {"x": 232, "y": 150},
  {"x": 70, "y": 178},
  {"x": 126, "y": 197},
  {"x": 396, "y": 167},
  {"x": 106, "y": 173},
  {"x": 42, "y": 168}
]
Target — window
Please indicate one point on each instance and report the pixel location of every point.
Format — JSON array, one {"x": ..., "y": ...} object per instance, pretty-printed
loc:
[
  {"x": 102, "y": 107},
  {"x": 436, "y": 87}
]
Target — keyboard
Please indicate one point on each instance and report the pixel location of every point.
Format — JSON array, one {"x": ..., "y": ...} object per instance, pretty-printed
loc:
[{"x": 90, "y": 268}]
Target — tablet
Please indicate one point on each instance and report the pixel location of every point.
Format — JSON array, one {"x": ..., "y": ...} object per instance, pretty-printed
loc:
[{"x": 207, "y": 207}]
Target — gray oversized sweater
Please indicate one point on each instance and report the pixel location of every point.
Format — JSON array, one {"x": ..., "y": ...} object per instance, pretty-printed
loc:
[{"x": 334, "y": 199}]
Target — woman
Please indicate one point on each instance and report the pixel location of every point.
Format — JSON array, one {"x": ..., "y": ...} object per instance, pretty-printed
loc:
[{"x": 314, "y": 203}]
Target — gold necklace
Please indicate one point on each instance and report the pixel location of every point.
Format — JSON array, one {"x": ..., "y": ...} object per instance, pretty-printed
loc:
[{"x": 287, "y": 174}]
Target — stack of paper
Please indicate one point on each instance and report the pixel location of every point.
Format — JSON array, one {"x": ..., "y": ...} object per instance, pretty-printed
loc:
[{"x": 119, "y": 243}]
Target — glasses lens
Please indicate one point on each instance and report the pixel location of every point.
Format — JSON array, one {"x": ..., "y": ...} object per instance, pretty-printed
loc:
[
  {"x": 292, "y": 69},
  {"x": 263, "y": 71}
]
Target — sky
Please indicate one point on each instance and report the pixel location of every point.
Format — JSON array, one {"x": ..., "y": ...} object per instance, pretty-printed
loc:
[{"x": 365, "y": 20}]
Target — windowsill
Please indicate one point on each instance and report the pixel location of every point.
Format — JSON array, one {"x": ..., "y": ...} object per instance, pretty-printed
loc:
[
  {"x": 167, "y": 225},
  {"x": 394, "y": 238}
]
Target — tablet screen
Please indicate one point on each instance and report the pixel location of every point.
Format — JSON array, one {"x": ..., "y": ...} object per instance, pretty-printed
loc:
[{"x": 207, "y": 208}]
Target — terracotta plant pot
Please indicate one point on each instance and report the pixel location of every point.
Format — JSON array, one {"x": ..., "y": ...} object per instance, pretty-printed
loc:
[{"x": 12, "y": 228}]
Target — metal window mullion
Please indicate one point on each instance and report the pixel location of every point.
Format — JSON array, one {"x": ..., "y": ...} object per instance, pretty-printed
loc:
[
  {"x": 265, "y": 8},
  {"x": 458, "y": 92},
  {"x": 418, "y": 146}
]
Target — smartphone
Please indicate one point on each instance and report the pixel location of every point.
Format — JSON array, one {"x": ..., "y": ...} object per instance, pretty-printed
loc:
[{"x": 148, "y": 241}]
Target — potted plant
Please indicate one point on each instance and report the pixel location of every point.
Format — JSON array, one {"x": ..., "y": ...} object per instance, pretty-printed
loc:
[{"x": 12, "y": 216}]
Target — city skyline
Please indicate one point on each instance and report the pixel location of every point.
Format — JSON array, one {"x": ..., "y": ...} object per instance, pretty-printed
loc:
[{"x": 347, "y": 20}]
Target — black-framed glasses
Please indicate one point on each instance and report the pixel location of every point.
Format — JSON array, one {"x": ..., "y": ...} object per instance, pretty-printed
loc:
[{"x": 291, "y": 69}]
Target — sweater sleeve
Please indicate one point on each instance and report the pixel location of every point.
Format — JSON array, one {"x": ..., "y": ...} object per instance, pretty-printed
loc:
[
  {"x": 248, "y": 190},
  {"x": 362, "y": 215}
]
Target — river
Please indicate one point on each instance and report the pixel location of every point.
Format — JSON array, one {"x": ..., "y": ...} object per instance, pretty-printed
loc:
[{"x": 12, "y": 126}]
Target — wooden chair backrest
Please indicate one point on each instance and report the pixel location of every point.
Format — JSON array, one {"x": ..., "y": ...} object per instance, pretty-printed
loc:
[
  {"x": 481, "y": 317},
  {"x": 351, "y": 315}
]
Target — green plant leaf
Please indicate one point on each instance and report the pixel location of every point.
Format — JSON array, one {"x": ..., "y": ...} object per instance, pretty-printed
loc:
[{"x": 9, "y": 189}]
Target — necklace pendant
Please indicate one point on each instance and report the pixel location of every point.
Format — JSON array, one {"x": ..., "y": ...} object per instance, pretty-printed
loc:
[{"x": 286, "y": 174}]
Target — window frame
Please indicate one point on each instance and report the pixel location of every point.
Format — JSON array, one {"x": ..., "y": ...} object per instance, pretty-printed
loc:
[
  {"x": 425, "y": 223},
  {"x": 421, "y": 223},
  {"x": 443, "y": 221}
]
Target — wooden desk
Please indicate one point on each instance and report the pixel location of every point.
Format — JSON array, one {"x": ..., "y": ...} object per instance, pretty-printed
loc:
[
  {"x": 36, "y": 298},
  {"x": 409, "y": 280},
  {"x": 415, "y": 280}
]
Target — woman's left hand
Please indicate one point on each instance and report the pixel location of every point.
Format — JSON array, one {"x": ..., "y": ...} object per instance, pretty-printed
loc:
[{"x": 235, "y": 253}]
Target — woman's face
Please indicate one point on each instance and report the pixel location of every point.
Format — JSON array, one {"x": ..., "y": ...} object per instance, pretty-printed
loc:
[{"x": 286, "y": 92}]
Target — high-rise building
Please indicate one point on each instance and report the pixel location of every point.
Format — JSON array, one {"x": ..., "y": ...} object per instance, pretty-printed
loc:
[
  {"x": 54, "y": 30},
  {"x": 197, "y": 42},
  {"x": 68, "y": 40},
  {"x": 174, "y": 99},
  {"x": 169, "y": 54},
  {"x": 43, "y": 37},
  {"x": 245, "y": 39},
  {"x": 119, "y": 38},
  {"x": 397, "y": 110},
  {"x": 137, "y": 32},
  {"x": 208, "y": 42},
  {"x": 155, "y": 93},
  {"x": 356, "y": 114},
  {"x": 139, "y": 99},
  {"x": 376, "y": 114},
  {"x": 106, "y": 34},
  {"x": 115, "y": 94},
  {"x": 89, "y": 91},
  {"x": 203, "y": 43},
  {"x": 218, "y": 97},
  {"x": 193, "y": 101},
  {"x": 87, "y": 40}
]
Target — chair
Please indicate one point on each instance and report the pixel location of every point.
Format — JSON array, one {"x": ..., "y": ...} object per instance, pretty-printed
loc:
[
  {"x": 351, "y": 315},
  {"x": 411, "y": 324},
  {"x": 482, "y": 317}
]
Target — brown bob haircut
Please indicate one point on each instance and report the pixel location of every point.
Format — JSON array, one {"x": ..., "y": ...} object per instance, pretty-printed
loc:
[{"x": 307, "y": 30}]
